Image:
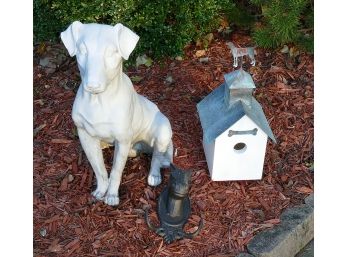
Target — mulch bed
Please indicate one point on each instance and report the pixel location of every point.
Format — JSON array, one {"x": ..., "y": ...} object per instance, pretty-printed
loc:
[{"x": 69, "y": 222}]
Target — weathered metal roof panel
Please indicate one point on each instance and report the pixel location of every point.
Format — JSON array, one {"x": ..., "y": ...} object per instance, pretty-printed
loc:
[{"x": 216, "y": 117}]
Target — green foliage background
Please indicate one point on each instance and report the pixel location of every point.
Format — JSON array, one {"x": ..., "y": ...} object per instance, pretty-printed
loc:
[
  {"x": 285, "y": 21},
  {"x": 166, "y": 27}
]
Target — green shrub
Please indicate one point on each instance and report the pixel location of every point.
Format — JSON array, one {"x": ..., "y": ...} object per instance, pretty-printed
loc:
[
  {"x": 240, "y": 13},
  {"x": 283, "y": 22},
  {"x": 164, "y": 27},
  {"x": 46, "y": 24}
]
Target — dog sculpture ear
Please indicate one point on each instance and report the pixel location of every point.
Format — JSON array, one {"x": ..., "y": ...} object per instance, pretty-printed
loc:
[
  {"x": 70, "y": 36},
  {"x": 126, "y": 40}
]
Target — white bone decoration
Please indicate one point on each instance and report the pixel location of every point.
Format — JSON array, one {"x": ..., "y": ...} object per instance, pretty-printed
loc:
[
  {"x": 235, "y": 130},
  {"x": 108, "y": 109}
]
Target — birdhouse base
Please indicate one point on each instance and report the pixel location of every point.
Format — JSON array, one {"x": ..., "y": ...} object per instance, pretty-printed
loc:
[{"x": 237, "y": 156}]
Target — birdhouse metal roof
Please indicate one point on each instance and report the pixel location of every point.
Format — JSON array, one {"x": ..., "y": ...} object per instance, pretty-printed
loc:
[
  {"x": 216, "y": 118},
  {"x": 239, "y": 79}
]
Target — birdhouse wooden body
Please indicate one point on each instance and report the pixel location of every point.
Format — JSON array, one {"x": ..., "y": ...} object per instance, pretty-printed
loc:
[{"x": 235, "y": 130}]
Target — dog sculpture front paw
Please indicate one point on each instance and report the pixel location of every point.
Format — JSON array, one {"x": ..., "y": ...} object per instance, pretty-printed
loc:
[
  {"x": 153, "y": 180},
  {"x": 111, "y": 199},
  {"x": 101, "y": 189},
  {"x": 99, "y": 194}
]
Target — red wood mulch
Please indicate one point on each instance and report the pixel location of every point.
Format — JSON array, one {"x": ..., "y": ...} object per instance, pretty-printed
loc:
[{"x": 69, "y": 222}]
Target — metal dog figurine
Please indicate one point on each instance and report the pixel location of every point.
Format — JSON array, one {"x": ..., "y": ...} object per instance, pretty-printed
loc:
[
  {"x": 108, "y": 109},
  {"x": 174, "y": 207},
  {"x": 240, "y": 52}
]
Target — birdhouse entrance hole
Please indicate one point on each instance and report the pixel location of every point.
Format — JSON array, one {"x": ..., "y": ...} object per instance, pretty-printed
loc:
[{"x": 240, "y": 147}]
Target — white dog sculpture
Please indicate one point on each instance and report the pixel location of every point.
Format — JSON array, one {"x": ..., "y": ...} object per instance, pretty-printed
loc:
[{"x": 108, "y": 109}]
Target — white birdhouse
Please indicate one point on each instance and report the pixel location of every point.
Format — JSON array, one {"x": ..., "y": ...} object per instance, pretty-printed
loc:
[{"x": 235, "y": 130}]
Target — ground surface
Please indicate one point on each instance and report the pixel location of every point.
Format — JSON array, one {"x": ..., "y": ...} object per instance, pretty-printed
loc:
[{"x": 69, "y": 222}]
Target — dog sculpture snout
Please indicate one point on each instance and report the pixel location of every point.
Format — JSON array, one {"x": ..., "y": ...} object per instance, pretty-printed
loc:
[{"x": 94, "y": 88}]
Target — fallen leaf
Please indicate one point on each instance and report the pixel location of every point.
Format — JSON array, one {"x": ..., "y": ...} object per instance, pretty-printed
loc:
[
  {"x": 41, "y": 49},
  {"x": 200, "y": 53},
  {"x": 294, "y": 52},
  {"x": 104, "y": 145},
  {"x": 285, "y": 49},
  {"x": 143, "y": 60},
  {"x": 136, "y": 78},
  {"x": 178, "y": 58},
  {"x": 224, "y": 23},
  {"x": 255, "y": 70},
  {"x": 304, "y": 190}
]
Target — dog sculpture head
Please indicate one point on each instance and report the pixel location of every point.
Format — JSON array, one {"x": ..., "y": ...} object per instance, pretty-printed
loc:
[{"x": 99, "y": 50}]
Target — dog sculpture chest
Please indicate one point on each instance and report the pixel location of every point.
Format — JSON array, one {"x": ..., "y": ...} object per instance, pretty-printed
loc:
[{"x": 107, "y": 108}]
